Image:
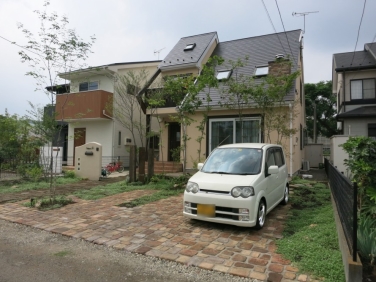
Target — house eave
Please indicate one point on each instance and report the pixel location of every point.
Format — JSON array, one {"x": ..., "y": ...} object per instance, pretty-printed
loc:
[{"x": 179, "y": 67}]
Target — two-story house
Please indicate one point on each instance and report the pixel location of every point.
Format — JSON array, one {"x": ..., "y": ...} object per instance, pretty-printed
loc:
[
  {"x": 354, "y": 77},
  {"x": 223, "y": 126},
  {"x": 88, "y": 109}
]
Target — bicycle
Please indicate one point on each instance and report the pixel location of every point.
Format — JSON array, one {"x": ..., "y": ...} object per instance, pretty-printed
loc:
[{"x": 114, "y": 166}]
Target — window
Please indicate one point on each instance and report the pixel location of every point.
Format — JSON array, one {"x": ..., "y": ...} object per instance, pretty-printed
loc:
[
  {"x": 221, "y": 75},
  {"x": 260, "y": 71},
  {"x": 372, "y": 130},
  {"x": 232, "y": 130},
  {"x": 278, "y": 155},
  {"x": 363, "y": 89},
  {"x": 270, "y": 159},
  {"x": 119, "y": 138},
  {"x": 87, "y": 86},
  {"x": 190, "y": 46}
]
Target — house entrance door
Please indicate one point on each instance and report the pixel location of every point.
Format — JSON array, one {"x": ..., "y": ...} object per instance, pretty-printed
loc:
[
  {"x": 173, "y": 139},
  {"x": 79, "y": 140}
]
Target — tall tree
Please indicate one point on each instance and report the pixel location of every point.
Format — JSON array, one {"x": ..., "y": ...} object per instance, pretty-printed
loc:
[
  {"x": 53, "y": 49},
  {"x": 125, "y": 107},
  {"x": 320, "y": 94}
]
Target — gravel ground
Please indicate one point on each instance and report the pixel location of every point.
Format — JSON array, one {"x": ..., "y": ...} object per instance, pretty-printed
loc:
[{"x": 29, "y": 254}]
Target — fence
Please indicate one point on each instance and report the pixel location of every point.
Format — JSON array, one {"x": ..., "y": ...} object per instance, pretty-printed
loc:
[
  {"x": 345, "y": 196},
  {"x": 15, "y": 168}
]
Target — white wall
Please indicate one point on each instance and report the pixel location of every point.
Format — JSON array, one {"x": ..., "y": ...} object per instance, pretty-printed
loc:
[
  {"x": 357, "y": 127},
  {"x": 338, "y": 154},
  {"x": 99, "y": 131},
  {"x": 105, "y": 82}
]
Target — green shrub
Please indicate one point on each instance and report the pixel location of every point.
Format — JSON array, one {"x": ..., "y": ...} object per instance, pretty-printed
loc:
[
  {"x": 69, "y": 174},
  {"x": 367, "y": 239}
]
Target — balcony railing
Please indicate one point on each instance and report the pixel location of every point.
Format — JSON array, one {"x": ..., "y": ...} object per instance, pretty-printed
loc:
[{"x": 84, "y": 105}]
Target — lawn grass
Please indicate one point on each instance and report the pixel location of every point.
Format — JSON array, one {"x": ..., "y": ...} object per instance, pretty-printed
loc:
[
  {"x": 310, "y": 237},
  {"x": 23, "y": 185},
  {"x": 165, "y": 189}
]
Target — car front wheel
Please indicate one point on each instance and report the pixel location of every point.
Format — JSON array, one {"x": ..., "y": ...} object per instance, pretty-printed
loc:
[
  {"x": 261, "y": 215},
  {"x": 285, "y": 196}
]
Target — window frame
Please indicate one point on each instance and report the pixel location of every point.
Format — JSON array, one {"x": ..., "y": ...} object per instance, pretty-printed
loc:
[
  {"x": 119, "y": 138},
  {"x": 261, "y": 74},
  {"x": 362, "y": 79},
  {"x": 371, "y": 128},
  {"x": 190, "y": 46},
  {"x": 88, "y": 86},
  {"x": 234, "y": 120},
  {"x": 229, "y": 72}
]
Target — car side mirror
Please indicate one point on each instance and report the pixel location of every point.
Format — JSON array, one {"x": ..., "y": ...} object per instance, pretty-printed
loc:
[
  {"x": 200, "y": 165},
  {"x": 273, "y": 169}
]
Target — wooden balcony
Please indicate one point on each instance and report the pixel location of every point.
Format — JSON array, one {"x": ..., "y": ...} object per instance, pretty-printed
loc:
[{"x": 83, "y": 105}]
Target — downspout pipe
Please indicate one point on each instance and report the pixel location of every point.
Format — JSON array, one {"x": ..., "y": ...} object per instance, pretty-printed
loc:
[{"x": 290, "y": 107}]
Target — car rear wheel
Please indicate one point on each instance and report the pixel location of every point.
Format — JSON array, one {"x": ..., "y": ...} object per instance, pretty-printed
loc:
[
  {"x": 285, "y": 196},
  {"x": 261, "y": 215}
]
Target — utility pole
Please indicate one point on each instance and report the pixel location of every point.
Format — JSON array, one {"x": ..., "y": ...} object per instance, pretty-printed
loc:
[{"x": 303, "y": 14}]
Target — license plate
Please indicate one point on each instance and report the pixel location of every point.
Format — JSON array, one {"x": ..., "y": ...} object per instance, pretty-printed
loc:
[{"x": 206, "y": 210}]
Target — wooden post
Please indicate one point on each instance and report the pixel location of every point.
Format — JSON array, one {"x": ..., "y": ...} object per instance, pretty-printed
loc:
[
  {"x": 141, "y": 166},
  {"x": 132, "y": 163},
  {"x": 150, "y": 163}
]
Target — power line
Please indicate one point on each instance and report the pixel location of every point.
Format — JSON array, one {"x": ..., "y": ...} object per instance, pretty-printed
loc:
[
  {"x": 288, "y": 42},
  {"x": 360, "y": 24},
  {"x": 275, "y": 31}
]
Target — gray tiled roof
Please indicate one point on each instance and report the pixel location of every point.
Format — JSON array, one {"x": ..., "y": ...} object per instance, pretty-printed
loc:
[
  {"x": 260, "y": 50},
  {"x": 361, "y": 112},
  {"x": 356, "y": 60},
  {"x": 179, "y": 57}
]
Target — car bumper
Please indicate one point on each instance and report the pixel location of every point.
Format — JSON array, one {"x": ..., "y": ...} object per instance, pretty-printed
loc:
[{"x": 228, "y": 210}]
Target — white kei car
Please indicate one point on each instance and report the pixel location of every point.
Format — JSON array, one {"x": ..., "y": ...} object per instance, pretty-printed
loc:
[{"x": 238, "y": 184}]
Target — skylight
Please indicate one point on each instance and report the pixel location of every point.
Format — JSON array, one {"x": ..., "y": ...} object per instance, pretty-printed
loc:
[
  {"x": 223, "y": 74},
  {"x": 262, "y": 71},
  {"x": 190, "y": 46}
]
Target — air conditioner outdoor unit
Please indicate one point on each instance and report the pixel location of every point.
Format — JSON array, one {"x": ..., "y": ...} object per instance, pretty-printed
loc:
[
  {"x": 305, "y": 165},
  {"x": 128, "y": 141}
]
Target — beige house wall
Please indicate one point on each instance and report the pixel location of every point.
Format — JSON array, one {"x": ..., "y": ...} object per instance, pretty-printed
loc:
[
  {"x": 193, "y": 146},
  {"x": 359, "y": 74}
]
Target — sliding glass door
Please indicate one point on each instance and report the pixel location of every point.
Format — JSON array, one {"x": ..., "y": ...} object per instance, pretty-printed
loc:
[{"x": 232, "y": 130}]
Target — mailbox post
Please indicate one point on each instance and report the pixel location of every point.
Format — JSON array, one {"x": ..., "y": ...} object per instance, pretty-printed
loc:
[{"x": 88, "y": 161}]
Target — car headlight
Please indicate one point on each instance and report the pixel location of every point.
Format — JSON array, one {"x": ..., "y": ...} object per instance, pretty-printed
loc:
[
  {"x": 242, "y": 191},
  {"x": 192, "y": 187}
]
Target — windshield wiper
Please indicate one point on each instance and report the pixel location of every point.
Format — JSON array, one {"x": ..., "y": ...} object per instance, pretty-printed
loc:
[{"x": 218, "y": 172}]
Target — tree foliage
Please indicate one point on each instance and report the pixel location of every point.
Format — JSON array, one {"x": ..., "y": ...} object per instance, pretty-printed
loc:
[
  {"x": 320, "y": 94},
  {"x": 54, "y": 48},
  {"x": 125, "y": 106},
  {"x": 361, "y": 162}
]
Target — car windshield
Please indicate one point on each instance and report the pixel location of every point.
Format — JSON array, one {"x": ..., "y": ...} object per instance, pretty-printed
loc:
[{"x": 234, "y": 161}]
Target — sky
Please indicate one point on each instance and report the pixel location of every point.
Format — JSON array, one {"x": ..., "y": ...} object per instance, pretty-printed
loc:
[{"x": 133, "y": 30}]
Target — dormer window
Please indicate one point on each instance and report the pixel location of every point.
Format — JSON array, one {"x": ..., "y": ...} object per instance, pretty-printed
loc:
[
  {"x": 190, "y": 46},
  {"x": 261, "y": 71},
  {"x": 223, "y": 75}
]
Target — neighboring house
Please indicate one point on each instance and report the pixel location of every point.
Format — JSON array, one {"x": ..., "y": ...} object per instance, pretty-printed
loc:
[
  {"x": 189, "y": 56},
  {"x": 354, "y": 76},
  {"x": 86, "y": 109}
]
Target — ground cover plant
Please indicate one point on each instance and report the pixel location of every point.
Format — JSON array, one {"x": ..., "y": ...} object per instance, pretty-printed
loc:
[
  {"x": 163, "y": 185},
  {"x": 25, "y": 185},
  {"x": 310, "y": 237},
  {"x": 45, "y": 204}
]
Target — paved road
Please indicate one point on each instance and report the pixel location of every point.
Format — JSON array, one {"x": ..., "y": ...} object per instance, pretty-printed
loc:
[{"x": 28, "y": 254}]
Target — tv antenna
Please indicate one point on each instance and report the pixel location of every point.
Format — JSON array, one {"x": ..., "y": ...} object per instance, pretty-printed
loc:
[
  {"x": 158, "y": 51},
  {"x": 303, "y": 14}
]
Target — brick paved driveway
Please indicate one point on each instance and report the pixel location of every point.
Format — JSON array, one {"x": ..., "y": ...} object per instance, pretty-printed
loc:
[{"x": 159, "y": 229}]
